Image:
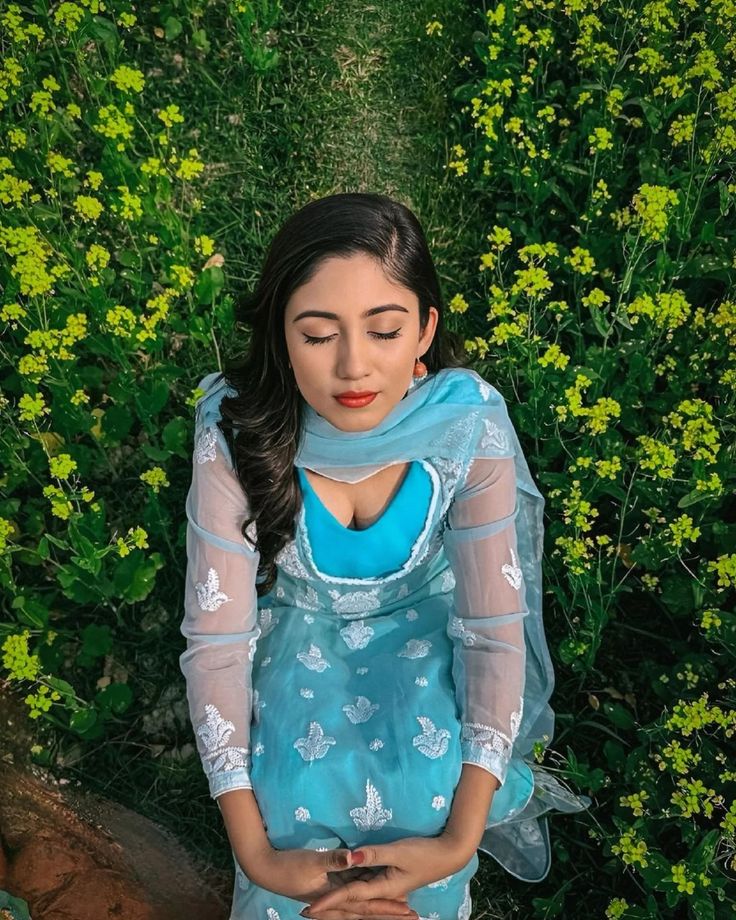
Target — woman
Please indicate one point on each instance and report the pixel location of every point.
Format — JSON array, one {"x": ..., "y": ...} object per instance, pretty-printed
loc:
[{"x": 366, "y": 664}]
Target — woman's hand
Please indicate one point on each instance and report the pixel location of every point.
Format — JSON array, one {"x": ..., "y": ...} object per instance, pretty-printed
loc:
[
  {"x": 306, "y": 875},
  {"x": 407, "y": 864}
]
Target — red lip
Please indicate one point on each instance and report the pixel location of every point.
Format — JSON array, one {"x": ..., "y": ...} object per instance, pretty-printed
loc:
[{"x": 352, "y": 394}]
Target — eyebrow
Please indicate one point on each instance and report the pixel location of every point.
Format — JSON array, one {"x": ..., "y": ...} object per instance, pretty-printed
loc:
[{"x": 372, "y": 312}]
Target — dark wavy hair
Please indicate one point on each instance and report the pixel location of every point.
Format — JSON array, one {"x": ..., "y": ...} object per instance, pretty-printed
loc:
[{"x": 262, "y": 424}]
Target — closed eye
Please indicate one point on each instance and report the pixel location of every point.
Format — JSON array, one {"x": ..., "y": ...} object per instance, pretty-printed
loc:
[{"x": 315, "y": 340}]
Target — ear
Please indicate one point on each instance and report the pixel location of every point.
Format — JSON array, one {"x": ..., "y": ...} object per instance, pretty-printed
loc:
[{"x": 425, "y": 340}]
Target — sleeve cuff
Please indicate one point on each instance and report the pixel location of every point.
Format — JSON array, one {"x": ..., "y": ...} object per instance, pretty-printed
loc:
[
  {"x": 482, "y": 756},
  {"x": 228, "y": 780}
]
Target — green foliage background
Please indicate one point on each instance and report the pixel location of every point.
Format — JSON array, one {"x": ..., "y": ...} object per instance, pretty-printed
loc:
[{"x": 590, "y": 162}]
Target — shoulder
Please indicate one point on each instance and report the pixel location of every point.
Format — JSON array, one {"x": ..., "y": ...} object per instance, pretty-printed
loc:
[
  {"x": 207, "y": 407},
  {"x": 465, "y": 386},
  {"x": 209, "y": 440}
]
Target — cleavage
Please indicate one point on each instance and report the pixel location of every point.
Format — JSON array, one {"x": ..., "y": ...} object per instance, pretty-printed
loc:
[{"x": 359, "y": 505}]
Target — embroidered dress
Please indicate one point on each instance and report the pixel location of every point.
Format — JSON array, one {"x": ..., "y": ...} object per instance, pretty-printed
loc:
[{"x": 349, "y": 697}]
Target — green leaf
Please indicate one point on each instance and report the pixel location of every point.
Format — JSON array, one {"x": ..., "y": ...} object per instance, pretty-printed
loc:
[
  {"x": 96, "y": 640},
  {"x": 614, "y": 753},
  {"x": 701, "y": 905},
  {"x": 209, "y": 284},
  {"x": 200, "y": 40},
  {"x": 702, "y": 856},
  {"x": 618, "y": 714},
  {"x": 175, "y": 436},
  {"x": 692, "y": 498},
  {"x": 115, "y": 698},
  {"x": 83, "y": 720},
  {"x": 173, "y": 28}
]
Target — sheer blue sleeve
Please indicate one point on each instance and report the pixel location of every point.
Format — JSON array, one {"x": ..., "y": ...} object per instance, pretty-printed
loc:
[
  {"x": 487, "y": 625},
  {"x": 220, "y": 612}
]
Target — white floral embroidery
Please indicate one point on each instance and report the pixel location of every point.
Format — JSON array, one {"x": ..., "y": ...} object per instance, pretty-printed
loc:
[
  {"x": 272, "y": 914},
  {"x": 516, "y": 719},
  {"x": 258, "y": 749},
  {"x": 494, "y": 437},
  {"x": 432, "y": 742},
  {"x": 376, "y": 744},
  {"x": 307, "y": 693},
  {"x": 457, "y": 435},
  {"x": 280, "y": 591},
  {"x": 268, "y": 621},
  {"x": 209, "y": 595},
  {"x": 316, "y": 744},
  {"x": 361, "y": 711},
  {"x": 308, "y": 618},
  {"x": 361, "y": 670},
  {"x": 487, "y": 736},
  {"x": 206, "y": 446},
  {"x": 485, "y": 390},
  {"x": 421, "y": 681},
  {"x": 309, "y": 600},
  {"x": 415, "y": 648},
  {"x": 313, "y": 659},
  {"x": 448, "y": 580},
  {"x": 403, "y": 591},
  {"x": 266, "y": 662},
  {"x": 372, "y": 815},
  {"x": 288, "y": 559},
  {"x": 355, "y": 602},
  {"x": 411, "y": 614},
  {"x": 357, "y": 634},
  {"x": 457, "y": 628},
  {"x": 512, "y": 573},
  {"x": 438, "y": 802},
  {"x": 302, "y": 814},
  {"x": 215, "y": 733}
]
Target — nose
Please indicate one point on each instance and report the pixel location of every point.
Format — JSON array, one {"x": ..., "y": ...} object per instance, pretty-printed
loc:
[{"x": 352, "y": 358}]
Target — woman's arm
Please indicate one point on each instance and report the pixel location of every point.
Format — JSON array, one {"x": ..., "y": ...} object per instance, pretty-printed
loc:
[
  {"x": 245, "y": 828},
  {"x": 470, "y": 807},
  {"x": 487, "y": 622},
  {"x": 220, "y": 610}
]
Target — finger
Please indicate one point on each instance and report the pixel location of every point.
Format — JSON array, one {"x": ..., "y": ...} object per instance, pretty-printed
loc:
[
  {"x": 364, "y": 911},
  {"x": 359, "y": 890}
]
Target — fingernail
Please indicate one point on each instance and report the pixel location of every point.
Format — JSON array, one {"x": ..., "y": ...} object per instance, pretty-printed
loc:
[{"x": 358, "y": 857}]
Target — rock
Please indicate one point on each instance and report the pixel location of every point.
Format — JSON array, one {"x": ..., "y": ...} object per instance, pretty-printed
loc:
[{"x": 77, "y": 856}]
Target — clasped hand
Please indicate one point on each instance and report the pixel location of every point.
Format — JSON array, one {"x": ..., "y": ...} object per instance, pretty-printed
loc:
[{"x": 377, "y": 888}]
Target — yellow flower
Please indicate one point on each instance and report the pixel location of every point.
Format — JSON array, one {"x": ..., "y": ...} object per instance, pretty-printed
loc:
[
  {"x": 128, "y": 79},
  {"x": 156, "y": 478},
  {"x": 600, "y": 139},
  {"x": 458, "y": 304},
  {"x": 87, "y": 207},
  {"x": 170, "y": 115}
]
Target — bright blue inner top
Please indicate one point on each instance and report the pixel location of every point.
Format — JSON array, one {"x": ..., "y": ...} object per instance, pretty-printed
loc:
[{"x": 379, "y": 549}]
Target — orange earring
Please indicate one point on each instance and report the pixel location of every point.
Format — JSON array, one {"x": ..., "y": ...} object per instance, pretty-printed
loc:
[{"x": 420, "y": 368}]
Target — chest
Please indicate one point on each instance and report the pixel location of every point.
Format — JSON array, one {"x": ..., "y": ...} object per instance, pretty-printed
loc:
[{"x": 358, "y": 505}]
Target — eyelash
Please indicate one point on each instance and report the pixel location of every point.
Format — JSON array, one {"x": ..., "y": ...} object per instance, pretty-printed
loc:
[{"x": 314, "y": 340}]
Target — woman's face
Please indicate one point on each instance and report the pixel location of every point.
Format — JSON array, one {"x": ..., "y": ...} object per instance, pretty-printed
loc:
[{"x": 350, "y": 354}]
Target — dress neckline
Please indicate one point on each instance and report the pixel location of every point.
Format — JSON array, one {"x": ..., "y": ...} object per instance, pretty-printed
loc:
[{"x": 389, "y": 509}]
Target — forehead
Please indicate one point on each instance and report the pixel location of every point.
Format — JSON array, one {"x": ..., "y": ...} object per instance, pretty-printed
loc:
[{"x": 350, "y": 286}]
